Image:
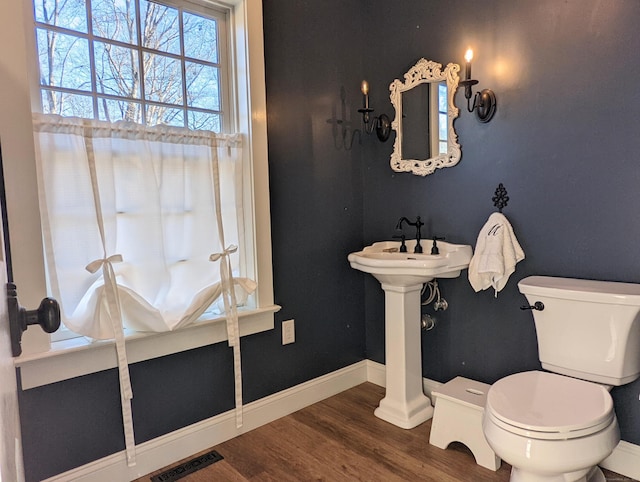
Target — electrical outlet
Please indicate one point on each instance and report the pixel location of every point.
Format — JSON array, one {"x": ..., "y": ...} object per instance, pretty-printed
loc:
[{"x": 288, "y": 332}]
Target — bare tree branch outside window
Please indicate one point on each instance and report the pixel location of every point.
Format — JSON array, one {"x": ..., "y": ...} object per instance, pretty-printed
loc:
[{"x": 131, "y": 60}]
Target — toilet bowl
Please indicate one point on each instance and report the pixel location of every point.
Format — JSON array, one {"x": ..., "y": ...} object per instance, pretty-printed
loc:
[{"x": 550, "y": 427}]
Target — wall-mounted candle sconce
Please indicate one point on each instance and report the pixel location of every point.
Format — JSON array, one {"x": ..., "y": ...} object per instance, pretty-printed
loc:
[
  {"x": 484, "y": 102},
  {"x": 381, "y": 124}
]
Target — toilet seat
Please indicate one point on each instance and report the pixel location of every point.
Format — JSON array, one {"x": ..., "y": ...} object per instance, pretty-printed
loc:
[{"x": 548, "y": 406}]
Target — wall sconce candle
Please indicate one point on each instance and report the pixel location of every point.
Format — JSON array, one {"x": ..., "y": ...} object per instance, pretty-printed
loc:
[
  {"x": 365, "y": 92},
  {"x": 468, "y": 56},
  {"x": 484, "y": 102},
  {"x": 381, "y": 124}
]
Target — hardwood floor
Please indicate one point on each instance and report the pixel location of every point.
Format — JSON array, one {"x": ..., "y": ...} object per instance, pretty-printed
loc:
[{"x": 339, "y": 439}]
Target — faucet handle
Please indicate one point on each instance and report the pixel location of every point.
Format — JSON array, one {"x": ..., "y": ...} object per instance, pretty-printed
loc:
[
  {"x": 434, "y": 248},
  {"x": 401, "y": 237}
]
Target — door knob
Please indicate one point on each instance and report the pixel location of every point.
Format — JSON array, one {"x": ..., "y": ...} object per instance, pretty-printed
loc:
[{"x": 47, "y": 316}]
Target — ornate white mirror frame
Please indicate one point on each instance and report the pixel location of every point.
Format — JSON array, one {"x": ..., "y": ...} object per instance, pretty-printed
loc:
[{"x": 426, "y": 71}]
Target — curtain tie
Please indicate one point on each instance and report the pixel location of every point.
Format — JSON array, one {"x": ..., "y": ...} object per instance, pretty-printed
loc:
[
  {"x": 98, "y": 263},
  {"x": 229, "y": 250},
  {"x": 228, "y": 295},
  {"x": 233, "y": 332},
  {"x": 115, "y": 311}
]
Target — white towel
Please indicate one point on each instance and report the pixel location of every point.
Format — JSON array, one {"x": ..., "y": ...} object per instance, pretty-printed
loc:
[{"x": 496, "y": 254}]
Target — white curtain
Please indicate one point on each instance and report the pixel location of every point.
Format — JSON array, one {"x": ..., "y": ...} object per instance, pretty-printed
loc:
[{"x": 133, "y": 217}]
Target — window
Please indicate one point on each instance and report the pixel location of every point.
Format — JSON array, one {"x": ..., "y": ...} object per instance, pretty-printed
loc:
[
  {"x": 23, "y": 90},
  {"x": 134, "y": 60},
  {"x": 155, "y": 198},
  {"x": 441, "y": 120}
]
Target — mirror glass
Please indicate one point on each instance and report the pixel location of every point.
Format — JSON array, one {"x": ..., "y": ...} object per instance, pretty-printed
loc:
[
  {"x": 415, "y": 123},
  {"x": 425, "y": 137}
]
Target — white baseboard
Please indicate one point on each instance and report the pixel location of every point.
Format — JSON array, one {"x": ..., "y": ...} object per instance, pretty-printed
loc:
[
  {"x": 168, "y": 449},
  {"x": 625, "y": 460}
]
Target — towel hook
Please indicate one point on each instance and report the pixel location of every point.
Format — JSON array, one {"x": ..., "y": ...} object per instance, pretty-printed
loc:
[{"x": 500, "y": 199}]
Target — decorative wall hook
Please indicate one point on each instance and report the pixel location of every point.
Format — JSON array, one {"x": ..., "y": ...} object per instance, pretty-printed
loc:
[{"x": 500, "y": 199}]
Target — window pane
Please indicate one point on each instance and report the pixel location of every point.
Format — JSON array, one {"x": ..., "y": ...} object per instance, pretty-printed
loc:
[
  {"x": 200, "y": 37},
  {"x": 204, "y": 121},
  {"x": 116, "y": 70},
  {"x": 68, "y": 105},
  {"x": 442, "y": 97},
  {"x": 442, "y": 125},
  {"x": 203, "y": 88},
  {"x": 71, "y": 14},
  {"x": 157, "y": 114},
  {"x": 64, "y": 60},
  {"x": 117, "y": 110},
  {"x": 162, "y": 79},
  {"x": 159, "y": 26},
  {"x": 115, "y": 20}
]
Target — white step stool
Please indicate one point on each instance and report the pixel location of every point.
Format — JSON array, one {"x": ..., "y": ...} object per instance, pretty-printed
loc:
[{"x": 457, "y": 417}]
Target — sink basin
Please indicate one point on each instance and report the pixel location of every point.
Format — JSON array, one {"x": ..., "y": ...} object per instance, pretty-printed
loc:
[{"x": 388, "y": 265}]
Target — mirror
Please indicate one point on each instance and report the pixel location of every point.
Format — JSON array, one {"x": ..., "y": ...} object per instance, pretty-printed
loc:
[{"x": 425, "y": 137}]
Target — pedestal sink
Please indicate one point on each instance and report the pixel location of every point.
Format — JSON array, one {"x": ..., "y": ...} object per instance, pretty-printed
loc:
[{"x": 401, "y": 276}]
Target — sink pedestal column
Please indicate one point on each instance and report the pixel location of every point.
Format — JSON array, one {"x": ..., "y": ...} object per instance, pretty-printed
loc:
[{"x": 405, "y": 403}]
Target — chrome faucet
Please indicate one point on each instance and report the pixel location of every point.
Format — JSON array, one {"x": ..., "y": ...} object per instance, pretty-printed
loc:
[{"x": 418, "y": 224}]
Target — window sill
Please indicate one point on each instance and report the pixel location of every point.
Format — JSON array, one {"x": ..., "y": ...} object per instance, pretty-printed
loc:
[{"x": 77, "y": 356}]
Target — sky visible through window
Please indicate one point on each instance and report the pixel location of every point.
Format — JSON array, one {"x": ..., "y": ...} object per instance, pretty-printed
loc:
[
  {"x": 131, "y": 60},
  {"x": 443, "y": 146}
]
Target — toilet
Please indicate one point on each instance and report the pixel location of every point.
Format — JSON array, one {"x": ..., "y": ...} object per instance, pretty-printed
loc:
[{"x": 557, "y": 425}]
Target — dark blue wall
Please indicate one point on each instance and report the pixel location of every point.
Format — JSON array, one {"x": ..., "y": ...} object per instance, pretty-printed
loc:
[{"x": 564, "y": 142}]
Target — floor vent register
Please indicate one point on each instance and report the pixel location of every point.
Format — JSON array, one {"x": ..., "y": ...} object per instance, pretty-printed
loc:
[{"x": 188, "y": 467}]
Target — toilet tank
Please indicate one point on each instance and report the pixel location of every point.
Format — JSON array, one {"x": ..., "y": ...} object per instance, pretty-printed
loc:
[{"x": 587, "y": 329}]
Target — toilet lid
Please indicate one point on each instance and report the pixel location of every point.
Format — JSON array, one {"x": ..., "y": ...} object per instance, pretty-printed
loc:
[{"x": 546, "y": 405}]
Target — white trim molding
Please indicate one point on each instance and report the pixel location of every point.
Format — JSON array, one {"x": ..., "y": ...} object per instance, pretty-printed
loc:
[
  {"x": 77, "y": 356},
  {"x": 624, "y": 460},
  {"x": 168, "y": 449}
]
